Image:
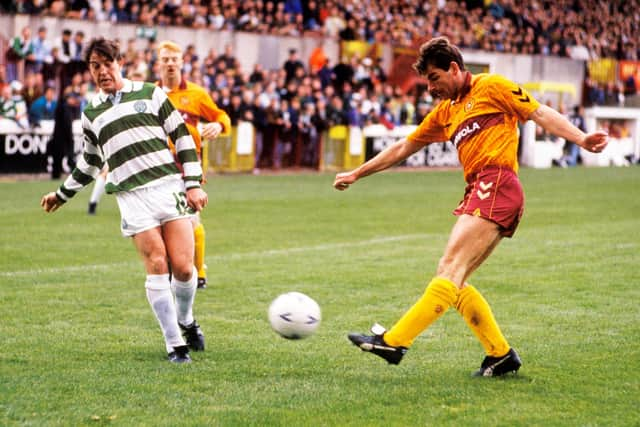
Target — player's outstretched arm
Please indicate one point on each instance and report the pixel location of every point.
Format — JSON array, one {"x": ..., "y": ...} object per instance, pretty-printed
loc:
[
  {"x": 385, "y": 159},
  {"x": 557, "y": 124},
  {"x": 50, "y": 202}
]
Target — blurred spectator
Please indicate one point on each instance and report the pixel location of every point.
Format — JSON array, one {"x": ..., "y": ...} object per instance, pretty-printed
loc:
[
  {"x": 312, "y": 124},
  {"x": 258, "y": 117},
  {"x": 78, "y": 9},
  {"x": 614, "y": 94},
  {"x": 571, "y": 150},
  {"x": 362, "y": 73},
  {"x": 317, "y": 59},
  {"x": 349, "y": 33},
  {"x": 630, "y": 85},
  {"x": 66, "y": 49},
  {"x": 311, "y": 16},
  {"x": 76, "y": 62},
  {"x": 52, "y": 70},
  {"x": 228, "y": 58},
  {"x": 12, "y": 106},
  {"x": 41, "y": 51},
  {"x": 342, "y": 72},
  {"x": 44, "y": 107},
  {"x": 270, "y": 154},
  {"x": 68, "y": 109},
  {"x": 292, "y": 64},
  {"x": 407, "y": 111},
  {"x": 334, "y": 23},
  {"x": 594, "y": 92},
  {"x": 237, "y": 108},
  {"x": 336, "y": 113},
  {"x": 286, "y": 135},
  {"x": 20, "y": 49},
  {"x": 32, "y": 88}
]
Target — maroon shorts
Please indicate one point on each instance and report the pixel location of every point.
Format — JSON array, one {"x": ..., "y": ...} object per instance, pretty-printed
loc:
[{"x": 495, "y": 194}]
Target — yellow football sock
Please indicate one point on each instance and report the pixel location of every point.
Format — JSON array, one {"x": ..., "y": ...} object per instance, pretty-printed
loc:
[
  {"x": 436, "y": 300},
  {"x": 198, "y": 261},
  {"x": 476, "y": 312}
]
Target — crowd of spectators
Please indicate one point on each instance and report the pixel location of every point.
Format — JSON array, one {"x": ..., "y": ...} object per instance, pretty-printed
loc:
[
  {"x": 581, "y": 29},
  {"x": 291, "y": 106}
]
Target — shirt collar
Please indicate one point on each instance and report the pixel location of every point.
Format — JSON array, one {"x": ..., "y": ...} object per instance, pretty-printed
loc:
[
  {"x": 115, "y": 98},
  {"x": 181, "y": 86},
  {"x": 466, "y": 87}
]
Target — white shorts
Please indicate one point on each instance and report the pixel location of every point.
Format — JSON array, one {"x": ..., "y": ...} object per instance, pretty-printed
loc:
[{"x": 149, "y": 207}]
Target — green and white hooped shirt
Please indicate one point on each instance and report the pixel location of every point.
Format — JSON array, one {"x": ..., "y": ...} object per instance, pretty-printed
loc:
[{"x": 129, "y": 132}]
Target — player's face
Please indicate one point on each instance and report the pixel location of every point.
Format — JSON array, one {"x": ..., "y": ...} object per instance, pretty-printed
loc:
[
  {"x": 170, "y": 64},
  {"x": 440, "y": 83},
  {"x": 105, "y": 73}
]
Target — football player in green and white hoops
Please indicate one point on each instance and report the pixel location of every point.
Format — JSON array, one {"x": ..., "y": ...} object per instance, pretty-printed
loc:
[{"x": 126, "y": 126}]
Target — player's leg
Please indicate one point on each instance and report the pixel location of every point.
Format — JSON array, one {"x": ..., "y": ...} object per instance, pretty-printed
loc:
[
  {"x": 151, "y": 247},
  {"x": 470, "y": 240},
  {"x": 198, "y": 259},
  {"x": 178, "y": 237},
  {"x": 477, "y": 314},
  {"x": 98, "y": 191}
]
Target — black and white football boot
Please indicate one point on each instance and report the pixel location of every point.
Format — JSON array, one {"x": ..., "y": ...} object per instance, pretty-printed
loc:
[
  {"x": 179, "y": 354},
  {"x": 375, "y": 344},
  {"x": 498, "y": 366}
]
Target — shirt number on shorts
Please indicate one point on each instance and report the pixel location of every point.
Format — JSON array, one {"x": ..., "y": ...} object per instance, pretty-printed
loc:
[{"x": 181, "y": 203}]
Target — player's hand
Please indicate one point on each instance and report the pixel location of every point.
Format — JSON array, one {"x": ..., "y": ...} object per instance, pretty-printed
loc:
[
  {"x": 197, "y": 199},
  {"x": 211, "y": 130},
  {"x": 50, "y": 202},
  {"x": 595, "y": 141},
  {"x": 344, "y": 180}
]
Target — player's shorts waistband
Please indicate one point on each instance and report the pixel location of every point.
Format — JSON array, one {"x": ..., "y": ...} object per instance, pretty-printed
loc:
[{"x": 473, "y": 175}]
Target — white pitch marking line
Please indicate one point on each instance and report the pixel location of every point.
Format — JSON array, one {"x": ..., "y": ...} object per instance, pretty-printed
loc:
[{"x": 223, "y": 257}]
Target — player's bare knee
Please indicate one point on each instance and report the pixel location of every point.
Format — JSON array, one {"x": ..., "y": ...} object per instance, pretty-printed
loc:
[{"x": 182, "y": 272}]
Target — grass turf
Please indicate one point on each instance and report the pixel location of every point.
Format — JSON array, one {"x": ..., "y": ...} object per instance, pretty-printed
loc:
[{"x": 80, "y": 346}]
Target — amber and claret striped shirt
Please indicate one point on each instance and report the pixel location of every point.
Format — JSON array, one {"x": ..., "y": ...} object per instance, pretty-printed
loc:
[
  {"x": 481, "y": 123},
  {"x": 194, "y": 104}
]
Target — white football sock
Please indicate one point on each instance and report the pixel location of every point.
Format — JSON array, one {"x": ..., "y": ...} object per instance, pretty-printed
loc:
[
  {"x": 185, "y": 295},
  {"x": 161, "y": 300},
  {"x": 98, "y": 189}
]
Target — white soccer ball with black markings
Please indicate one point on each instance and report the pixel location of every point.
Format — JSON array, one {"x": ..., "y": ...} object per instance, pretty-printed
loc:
[{"x": 294, "y": 315}]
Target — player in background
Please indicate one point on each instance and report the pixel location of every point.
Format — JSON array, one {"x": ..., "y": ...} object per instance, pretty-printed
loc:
[
  {"x": 479, "y": 114},
  {"x": 195, "y": 105},
  {"x": 127, "y": 126}
]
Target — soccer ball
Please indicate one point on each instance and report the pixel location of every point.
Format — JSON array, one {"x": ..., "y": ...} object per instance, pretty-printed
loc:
[{"x": 294, "y": 315}]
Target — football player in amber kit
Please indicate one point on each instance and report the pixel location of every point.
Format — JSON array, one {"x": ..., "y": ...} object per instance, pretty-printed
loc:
[
  {"x": 479, "y": 114},
  {"x": 195, "y": 105}
]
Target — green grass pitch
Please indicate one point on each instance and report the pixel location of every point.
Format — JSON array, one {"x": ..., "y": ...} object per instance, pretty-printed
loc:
[{"x": 80, "y": 346}]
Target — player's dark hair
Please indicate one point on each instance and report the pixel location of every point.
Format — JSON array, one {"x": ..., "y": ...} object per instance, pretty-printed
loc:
[
  {"x": 438, "y": 52},
  {"x": 103, "y": 47}
]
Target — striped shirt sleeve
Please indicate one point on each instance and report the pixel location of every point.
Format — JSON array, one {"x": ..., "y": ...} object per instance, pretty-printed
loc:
[
  {"x": 88, "y": 166},
  {"x": 175, "y": 127}
]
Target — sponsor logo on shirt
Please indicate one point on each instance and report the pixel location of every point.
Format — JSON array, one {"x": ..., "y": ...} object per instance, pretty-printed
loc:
[
  {"x": 465, "y": 131},
  {"x": 474, "y": 125}
]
